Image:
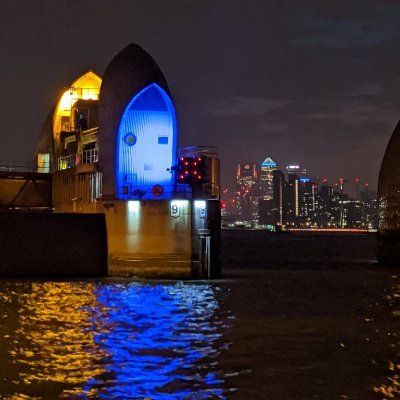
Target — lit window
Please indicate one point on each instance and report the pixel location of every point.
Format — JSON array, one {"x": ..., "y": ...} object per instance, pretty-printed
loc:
[{"x": 130, "y": 139}]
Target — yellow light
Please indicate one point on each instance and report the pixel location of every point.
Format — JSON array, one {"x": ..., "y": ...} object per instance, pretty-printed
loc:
[
  {"x": 90, "y": 94},
  {"x": 66, "y": 101},
  {"x": 133, "y": 206},
  {"x": 86, "y": 87}
]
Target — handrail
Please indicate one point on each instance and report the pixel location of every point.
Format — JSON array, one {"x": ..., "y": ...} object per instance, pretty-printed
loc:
[
  {"x": 195, "y": 151},
  {"x": 84, "y": 157},
  {"x": 21, "y": 166}
]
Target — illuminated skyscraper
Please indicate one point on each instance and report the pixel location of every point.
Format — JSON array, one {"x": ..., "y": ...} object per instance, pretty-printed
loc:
[
  {"x": 295, "y": 169},
  {"x": 268, "y": 166},
  {"x": 292, "y": 197},
  {"x": 278, "y": 185},
  {"x": 246, "y": 179}
]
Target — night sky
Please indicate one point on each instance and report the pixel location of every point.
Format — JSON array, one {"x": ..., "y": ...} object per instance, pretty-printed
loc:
[{"x": 312, "y": 82}]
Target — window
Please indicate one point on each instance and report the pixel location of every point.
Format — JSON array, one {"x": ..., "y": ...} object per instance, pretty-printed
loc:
[
  {"x": 130, "y": 139},
  {"x": 163, "y": 140}
]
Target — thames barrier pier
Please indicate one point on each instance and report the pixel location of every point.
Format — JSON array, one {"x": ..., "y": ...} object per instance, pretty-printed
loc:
[
  {"x": 389, "y": 202},
  {"x": 110, "y": 146}
]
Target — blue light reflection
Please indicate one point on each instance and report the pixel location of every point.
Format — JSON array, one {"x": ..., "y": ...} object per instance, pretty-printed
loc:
[{"x": 162, "y": 341}]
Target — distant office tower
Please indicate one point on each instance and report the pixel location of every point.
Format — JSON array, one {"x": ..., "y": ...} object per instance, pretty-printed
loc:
[
  {"x": 246, "y": 179},
  {"x": 278, "y": 192},
  {"x": 292, "y": 196},
  {"x": 308, "y": 192},
  {"x": 295, "y": 169},
  {"x": 268, "y": 166},
  {"x": 327, "y": 194}
]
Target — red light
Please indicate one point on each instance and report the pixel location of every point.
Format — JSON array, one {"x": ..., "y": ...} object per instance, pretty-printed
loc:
[
  {"x": 181, "y": 176},
  {"x": 199, "y": 158},
  {"x": 186, "y": 163},
  {"x": 199, "y": 177},
  {"x": 186, "y": 172},
  {"x": 194, "y": 172},
  {"x": 195, "y": 163}
]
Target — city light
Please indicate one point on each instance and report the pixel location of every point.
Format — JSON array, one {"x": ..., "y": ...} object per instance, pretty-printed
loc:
[{"x": 268, "y": 197}]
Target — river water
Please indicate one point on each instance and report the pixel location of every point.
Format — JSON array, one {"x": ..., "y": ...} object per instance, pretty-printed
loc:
[{"x": 264, "y": 331}]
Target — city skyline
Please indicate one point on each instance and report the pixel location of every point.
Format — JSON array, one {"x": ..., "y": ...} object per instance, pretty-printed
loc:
[
  {"x": 313, "y": 82},
  {"x": 267, "y": 198},
  {"x": 352, "y": 184}
]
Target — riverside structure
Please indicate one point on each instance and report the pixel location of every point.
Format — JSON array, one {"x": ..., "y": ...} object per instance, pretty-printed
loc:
[{"x": 111, "y": 145}]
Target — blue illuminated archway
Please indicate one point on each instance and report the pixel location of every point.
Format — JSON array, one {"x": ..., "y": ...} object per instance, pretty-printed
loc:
[{"x": 146, "y": 146}]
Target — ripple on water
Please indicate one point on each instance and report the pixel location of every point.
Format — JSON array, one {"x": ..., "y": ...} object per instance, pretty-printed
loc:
[{"x": 112, "y": 340}]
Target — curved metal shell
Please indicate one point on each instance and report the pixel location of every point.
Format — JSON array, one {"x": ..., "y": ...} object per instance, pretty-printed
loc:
[
  {"x": 389, "y": 185},
  {"x": 129, "y": 72}
]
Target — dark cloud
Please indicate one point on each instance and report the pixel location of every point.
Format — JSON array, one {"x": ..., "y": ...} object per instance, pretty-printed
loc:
[
  {"x": 314, "y": 82},
  {"x": 349, "y": 25},
  {"x": 243, "y": 106}
]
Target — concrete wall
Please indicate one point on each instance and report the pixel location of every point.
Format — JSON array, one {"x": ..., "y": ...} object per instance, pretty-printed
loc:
[
  {"x": 149, "y": 238},
  {"x": 52, "y": 244}
]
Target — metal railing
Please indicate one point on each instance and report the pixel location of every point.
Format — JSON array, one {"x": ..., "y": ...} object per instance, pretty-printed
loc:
[
  {"x": 196, "y": 151},
  {"x": 20, "y": 166},
  {"x": 84, "y": 157}
]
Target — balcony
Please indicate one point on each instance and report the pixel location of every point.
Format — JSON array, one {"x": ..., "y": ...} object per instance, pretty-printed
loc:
[{"x": 84, "y": 157}]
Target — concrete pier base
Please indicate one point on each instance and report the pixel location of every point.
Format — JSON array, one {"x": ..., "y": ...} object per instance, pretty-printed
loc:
[
  {"x": 167, "y": 266},
  {"x": 388, "y": 251}
]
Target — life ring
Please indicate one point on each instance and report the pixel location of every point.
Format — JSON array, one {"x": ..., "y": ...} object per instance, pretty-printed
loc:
[{"x": 157, "y": 191}]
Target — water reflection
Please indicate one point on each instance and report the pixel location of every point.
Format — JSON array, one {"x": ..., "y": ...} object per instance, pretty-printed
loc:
[
  {"x": 163, "y": 341},
  {"x": 112, "y": 340},
  {"x": 390, "y": 387}
]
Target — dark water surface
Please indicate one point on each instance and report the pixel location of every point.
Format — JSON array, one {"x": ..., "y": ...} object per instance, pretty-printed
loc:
[{"x": 260, "y": 333}]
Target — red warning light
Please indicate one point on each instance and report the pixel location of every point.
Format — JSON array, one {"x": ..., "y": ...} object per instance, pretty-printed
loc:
[{"x": 191, "y": 169}]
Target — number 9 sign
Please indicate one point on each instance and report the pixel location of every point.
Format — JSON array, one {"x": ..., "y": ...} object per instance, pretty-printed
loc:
[{"x": 175, "y": 210}]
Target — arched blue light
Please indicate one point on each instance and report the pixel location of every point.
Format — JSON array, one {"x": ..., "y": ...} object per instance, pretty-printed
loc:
[{"x": 146, "y": 146}]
